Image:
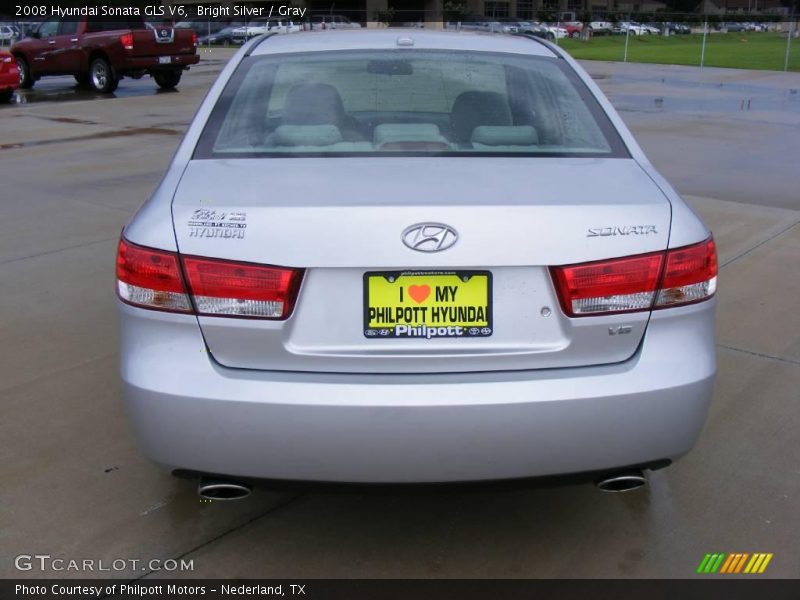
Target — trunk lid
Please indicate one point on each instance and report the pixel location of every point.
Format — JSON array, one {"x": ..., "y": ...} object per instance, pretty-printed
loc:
[{"x": 336, "y": 218}]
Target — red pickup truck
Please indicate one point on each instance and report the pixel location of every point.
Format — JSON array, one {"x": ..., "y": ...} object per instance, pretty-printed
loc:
[{"x": 99, "y": 52}]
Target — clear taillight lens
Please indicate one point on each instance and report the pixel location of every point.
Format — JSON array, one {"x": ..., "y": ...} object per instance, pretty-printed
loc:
[
  {"x": 150, "y": 278},
  {"x": 154, "y": 279},
  {"x": 643, "y": 282}
]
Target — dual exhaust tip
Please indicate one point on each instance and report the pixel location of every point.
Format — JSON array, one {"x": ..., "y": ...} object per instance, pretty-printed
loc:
[
  {"x": 211, "y": 488},
  {"x": 622, "y": 481}
]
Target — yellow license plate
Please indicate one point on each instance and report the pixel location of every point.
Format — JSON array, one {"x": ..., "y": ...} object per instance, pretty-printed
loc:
[{"x": 412, "y": 304}]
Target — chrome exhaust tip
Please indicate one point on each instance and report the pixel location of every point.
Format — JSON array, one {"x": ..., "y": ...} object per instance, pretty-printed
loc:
[
  {"x": 222, "y": 489},
  {"x": 622, "y": 481}
]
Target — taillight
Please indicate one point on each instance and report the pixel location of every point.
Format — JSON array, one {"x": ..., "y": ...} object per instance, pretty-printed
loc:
[
  {"x": 194, "y": 38},
  {"x": 690, "y": 275},
  {"x": 221, "y": 287},
  {"x": 635, "y": 283},
  {"x": 126, "y": 39},
  {"x": 154, "y": 279},
  {"x": 150, "y": 278}
]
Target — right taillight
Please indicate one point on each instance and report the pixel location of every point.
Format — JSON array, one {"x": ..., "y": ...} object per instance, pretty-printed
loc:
[
  {"x": 226, "y": 288},
  {"x": 635, "y": 283},
  {"x": 690, "y": 275},
  {"x": 154, "y": 279}
]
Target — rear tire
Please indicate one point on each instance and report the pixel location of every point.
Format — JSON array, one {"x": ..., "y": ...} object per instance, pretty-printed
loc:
[
  {"x": 102, "y": 76},
  {"x": 5, "y": 96},
  {"x": 26, "y": 79},
  {"x": 167, "y": 80},
  {"x": 551, "y": 37},
  {"x": 575, "y": 34}
]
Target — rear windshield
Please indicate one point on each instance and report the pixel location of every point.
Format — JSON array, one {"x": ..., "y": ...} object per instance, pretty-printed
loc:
[{"x": 410, "y": 102}]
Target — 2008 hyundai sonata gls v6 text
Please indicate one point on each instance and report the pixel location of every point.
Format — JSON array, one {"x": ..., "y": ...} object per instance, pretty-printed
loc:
[{"x": 388, "y": 256}]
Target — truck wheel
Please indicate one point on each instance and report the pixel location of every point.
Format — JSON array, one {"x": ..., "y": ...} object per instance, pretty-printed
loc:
[
  {"x": 167, "y": 80},
  {"x": 26, "y": 80},
  {"x": 102, "y": 76}
]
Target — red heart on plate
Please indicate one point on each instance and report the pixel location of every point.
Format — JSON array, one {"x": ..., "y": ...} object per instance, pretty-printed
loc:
[{"x": 419, "y": 293}]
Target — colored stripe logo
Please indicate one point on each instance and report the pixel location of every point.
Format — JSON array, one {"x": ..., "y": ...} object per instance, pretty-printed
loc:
[{"x": 737, "y": 562}]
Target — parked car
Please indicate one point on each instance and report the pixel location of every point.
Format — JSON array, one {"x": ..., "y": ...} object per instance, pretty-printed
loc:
[
  {"x": 224, "y": 36},
  {"x": 261, "y": 26},
  {"x": 626, "y": 27},
  {"x": 420, "y": 320},
  {"x": 677, "y": 28},
  {"x": 601, "y": 27},
  {"x": 556, "y": 32},
  {"x": 322, "y": 22},
  {"x": 9, "y": 76},
  {"x": 733, "y": 27},
  {"x": 527, "y": 27},
  {"x": 573, "y": 29},
  {"x": 7, "y": 34},
  {"x": 99, "y": 52}
]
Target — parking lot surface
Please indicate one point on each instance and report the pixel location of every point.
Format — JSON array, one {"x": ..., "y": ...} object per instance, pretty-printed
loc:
[{"x": 76, "y": 166}]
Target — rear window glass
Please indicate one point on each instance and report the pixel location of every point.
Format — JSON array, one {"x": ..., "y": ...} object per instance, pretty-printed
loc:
[{"x": 408, "y": 102}]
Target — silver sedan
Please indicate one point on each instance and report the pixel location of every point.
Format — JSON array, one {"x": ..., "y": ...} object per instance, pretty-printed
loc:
[{"x": 413, "y": 256}]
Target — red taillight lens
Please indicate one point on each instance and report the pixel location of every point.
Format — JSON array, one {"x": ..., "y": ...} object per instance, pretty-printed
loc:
[
  {"x": 153, "y": 279},
  {"x": 690, "y": 275},
  {"x": 632, "y": 283},
  {"x": 150, "y": 278},
  {"x": 194, "y": 39},
  {"x": 126, "y": 39},
  {"x": 241, "y": 289},
  {"x": 608, "y": 286}
]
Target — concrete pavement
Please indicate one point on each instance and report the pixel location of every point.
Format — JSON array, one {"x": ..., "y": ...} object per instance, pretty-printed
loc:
[{"x": 74, "y": 169}]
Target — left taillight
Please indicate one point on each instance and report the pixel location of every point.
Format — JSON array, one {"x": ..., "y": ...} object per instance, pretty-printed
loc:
[
  {"x": 635, "y": 283},
  {"x": 126, "y": 39},
  {"x": 150, "y": 278},
  {"x": 154, "y": 279},
  {"x": 194, "y": 39}
]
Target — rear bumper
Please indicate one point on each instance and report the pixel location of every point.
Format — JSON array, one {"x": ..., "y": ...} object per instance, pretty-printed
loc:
[
  {"x": 189, "y": 413},
  {"x": 152, "y": 62}
]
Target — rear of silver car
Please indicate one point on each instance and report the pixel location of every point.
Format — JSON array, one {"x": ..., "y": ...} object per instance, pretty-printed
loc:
[{"x": 352, "y": 274}]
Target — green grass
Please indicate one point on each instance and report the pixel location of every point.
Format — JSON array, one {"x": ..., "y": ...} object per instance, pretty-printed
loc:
[{"x": 735, "y": 50}]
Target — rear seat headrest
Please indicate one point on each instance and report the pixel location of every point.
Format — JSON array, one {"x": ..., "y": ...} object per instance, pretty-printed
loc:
[
  {"x": 500, "y": 135},
  {"x": 306, "y": 135}
]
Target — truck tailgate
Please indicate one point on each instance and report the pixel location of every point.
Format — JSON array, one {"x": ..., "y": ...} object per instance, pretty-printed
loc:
[{"x": 162, "y": 41}]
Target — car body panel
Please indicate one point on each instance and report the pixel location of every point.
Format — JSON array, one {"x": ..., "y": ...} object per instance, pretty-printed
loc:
[
  {"x": 415, "y": 428},
  {"x": 521, "y": 230},
  {"x": 9, "y": 75}
]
